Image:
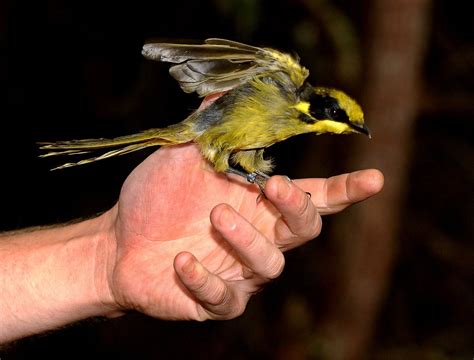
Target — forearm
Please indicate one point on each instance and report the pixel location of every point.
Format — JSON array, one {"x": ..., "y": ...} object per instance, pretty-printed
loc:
[{"x": 52, "y": 277}]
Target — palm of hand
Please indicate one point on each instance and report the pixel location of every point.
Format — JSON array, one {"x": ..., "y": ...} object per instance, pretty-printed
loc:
[
  {"x": 162, "y": 217},
  {"x": 163, "y": 210}
]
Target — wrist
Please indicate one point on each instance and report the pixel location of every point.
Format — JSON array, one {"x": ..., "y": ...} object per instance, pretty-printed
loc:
[
  {"x": 54, "y": 276},
  {"x": 105, "y": 255}
]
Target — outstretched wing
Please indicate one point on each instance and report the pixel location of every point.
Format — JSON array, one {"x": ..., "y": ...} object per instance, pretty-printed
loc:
[{"x": 220, "y": 65}]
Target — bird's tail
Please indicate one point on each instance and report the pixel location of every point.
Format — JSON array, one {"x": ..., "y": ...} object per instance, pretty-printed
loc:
[{"x": 171, "y": 135}]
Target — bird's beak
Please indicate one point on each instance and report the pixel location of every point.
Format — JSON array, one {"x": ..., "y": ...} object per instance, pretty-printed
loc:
[{"x": 363, "y": 129}]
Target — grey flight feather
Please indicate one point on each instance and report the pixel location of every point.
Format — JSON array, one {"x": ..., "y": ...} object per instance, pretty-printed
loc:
[{"x": 217, "y": 65}]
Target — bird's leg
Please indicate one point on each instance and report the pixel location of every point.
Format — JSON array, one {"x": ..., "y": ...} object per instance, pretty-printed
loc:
[
  {"x": 256, "y": 177},
  {"x": 260, "y": 179},
  {"x": 231, "y": 170}
]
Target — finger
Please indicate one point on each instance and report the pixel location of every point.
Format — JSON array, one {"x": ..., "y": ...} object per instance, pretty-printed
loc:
[
  {"x": 338, "y": 192},
  {"x": 300, "y": 219},
  {"x": 257, "y": 253},
  {"x": 212, "y": 293}
]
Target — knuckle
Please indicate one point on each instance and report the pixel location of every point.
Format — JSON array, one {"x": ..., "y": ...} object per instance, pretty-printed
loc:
[
  {"x": 219, "y": 296},
  {"x": 275, "y": 265},
  {"x": 249, "y": 242},
  {"x": 236, "y": 311},
  {"x": 225, "y": 307},
  {"x": 309, "y": 224},
  {"x": 313, "y": 223},
  {"x": 200, "y": 283},
  {"x": 315, "y": 229},
  {"x": 303, "y": 206}
]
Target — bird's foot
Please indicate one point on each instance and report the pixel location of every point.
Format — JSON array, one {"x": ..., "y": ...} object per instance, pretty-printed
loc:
[
  {"x": 257, "y": 177},
  {"x": 260, "y": 179}
]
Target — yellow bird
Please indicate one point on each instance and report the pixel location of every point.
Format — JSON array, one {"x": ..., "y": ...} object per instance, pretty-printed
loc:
[{"x": 264, "y": 98}]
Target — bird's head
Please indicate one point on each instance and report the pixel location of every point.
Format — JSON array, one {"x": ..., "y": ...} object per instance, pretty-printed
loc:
[{"x": 328, "y": 110}]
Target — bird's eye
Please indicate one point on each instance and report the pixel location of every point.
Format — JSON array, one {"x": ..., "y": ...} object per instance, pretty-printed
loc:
[
  {"x": 337, "y": 114},
  {"x": 333, "y": 113}
]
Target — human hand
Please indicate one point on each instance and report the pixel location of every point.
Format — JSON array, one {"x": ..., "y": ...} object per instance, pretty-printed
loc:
[{"x": 188, "y": 243}]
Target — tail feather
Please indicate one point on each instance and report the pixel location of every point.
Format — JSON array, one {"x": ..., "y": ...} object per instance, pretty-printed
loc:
[
  {"x": 174, "y": 134},
  {"x": 93, "y": 144},
  {"x": 65, "y": 152},
  {"x": 122, "y": 151}
]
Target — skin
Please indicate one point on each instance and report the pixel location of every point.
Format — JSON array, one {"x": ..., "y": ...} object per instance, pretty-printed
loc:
[{"x": 183, "y": 242}]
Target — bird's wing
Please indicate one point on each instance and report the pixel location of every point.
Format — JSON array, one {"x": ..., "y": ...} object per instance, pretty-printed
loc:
[{"x": 220, "y": 65}]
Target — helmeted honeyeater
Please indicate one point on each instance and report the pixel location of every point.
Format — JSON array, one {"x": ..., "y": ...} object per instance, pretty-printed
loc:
[{"x": 264, "y": 98}]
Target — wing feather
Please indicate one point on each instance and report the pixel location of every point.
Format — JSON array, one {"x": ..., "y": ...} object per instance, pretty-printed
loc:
[
  {"x": 219, "y": 65},
  {"x": 231, "y": 43}
]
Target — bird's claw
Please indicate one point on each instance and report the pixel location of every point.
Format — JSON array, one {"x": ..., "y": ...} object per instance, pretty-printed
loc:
[{"x": 260, "y": 179}]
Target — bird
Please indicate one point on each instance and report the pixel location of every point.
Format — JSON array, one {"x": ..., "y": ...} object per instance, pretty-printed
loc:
[{"x": 262, "y": 96}]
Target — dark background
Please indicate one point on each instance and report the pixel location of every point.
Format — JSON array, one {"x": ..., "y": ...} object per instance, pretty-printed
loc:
[{"x": 388, "y": 279}]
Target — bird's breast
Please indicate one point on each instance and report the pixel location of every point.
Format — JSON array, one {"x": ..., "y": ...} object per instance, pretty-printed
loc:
[{"x": 256, "y": 115}]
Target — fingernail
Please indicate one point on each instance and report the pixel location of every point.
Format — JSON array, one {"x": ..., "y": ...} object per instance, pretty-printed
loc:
[
  {"x": 227, "y": 218},
  {"x": 283, "y": 188},
  {"x": 189, "y": 266}
]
